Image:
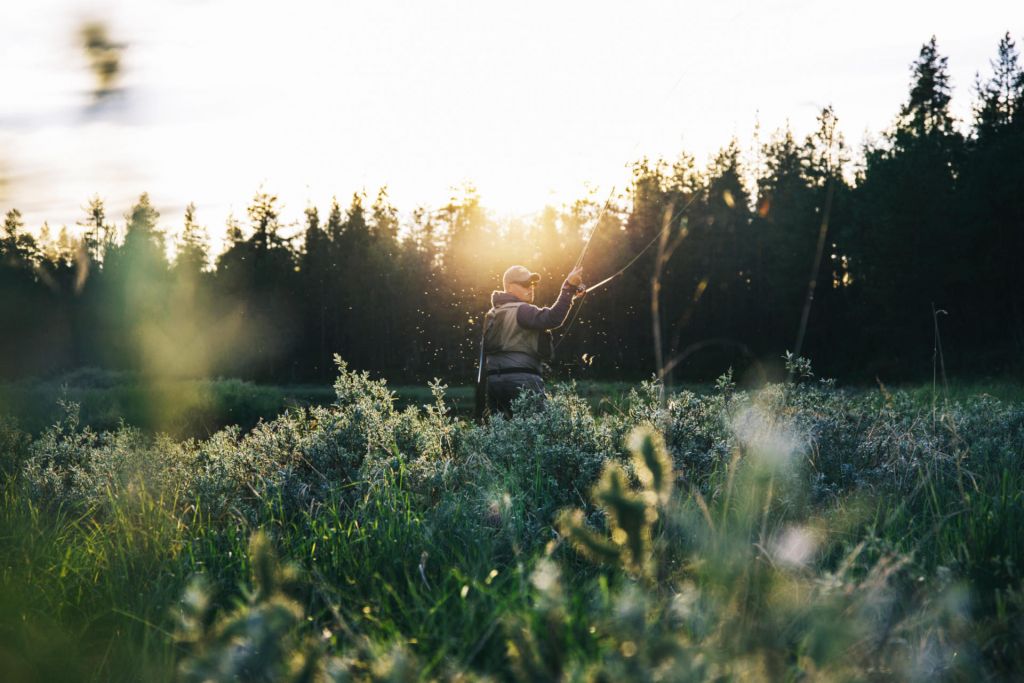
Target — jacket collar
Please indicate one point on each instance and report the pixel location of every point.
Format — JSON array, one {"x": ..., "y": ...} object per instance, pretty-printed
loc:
[{"x": 499, "y": 298}]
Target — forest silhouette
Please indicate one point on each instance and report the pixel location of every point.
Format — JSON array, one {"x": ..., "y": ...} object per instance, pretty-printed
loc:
[{"x": 921, "y": 243}]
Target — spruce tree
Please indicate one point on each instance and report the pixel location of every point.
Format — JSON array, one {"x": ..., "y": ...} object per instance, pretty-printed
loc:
[
  {"x": 97, "y": 234},
  {"x": 990, "y": 202},
  {"x": 313, "y": 276},
  {"x": 18, "y": 249},
  {"x": 926, "y": 112},
  {"x": 1001, "y": 98},
  {"x": 192, "y": 246}
]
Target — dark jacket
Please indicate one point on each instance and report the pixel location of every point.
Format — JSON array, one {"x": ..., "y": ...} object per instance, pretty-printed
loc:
[{"x": 532, "y": 318}]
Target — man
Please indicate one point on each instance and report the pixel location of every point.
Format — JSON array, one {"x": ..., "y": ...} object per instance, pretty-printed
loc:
[{"x": 517, "y": 335}]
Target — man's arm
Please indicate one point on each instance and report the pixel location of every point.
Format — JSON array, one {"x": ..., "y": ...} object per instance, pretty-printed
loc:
[{"x": 534, "y": 318}]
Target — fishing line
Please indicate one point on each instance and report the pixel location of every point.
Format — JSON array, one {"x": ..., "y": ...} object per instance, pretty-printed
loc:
[
  {"x": 659, "y": 234},
  {"x": 650, "y": 244},
  {"x": 597, "y": 225},
  {"x": 626, "y": 267}
]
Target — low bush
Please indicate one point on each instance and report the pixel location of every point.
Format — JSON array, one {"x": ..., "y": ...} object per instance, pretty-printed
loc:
[{"x": 794, "y": 531}]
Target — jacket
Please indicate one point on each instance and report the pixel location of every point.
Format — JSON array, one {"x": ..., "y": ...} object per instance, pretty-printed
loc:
[{"x": 518, "y": 334}]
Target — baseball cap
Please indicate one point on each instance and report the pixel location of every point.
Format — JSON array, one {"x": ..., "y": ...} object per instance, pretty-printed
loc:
[{"x": 520, "y": 275}]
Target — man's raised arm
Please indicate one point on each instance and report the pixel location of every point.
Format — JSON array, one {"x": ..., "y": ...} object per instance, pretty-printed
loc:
[{"x": 533, "y": 318}]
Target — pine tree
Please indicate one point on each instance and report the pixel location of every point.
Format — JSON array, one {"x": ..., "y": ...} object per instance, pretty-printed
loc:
[
  {"x": 233, "y": 234},
  {"x": 23, "y": 301},
  {"x": 142, "y": 232},
  {"x": 731, "y": 248},
  {"x": 264, "y": 219},
  {"x": 926, "y": 112},
  {"x": 826, "y": 158},
  {"x": 17, "y": 248},
  {"x": 825, "y": 153},
  {"x": 468, "y": 263},
  {"x": 192, "y": 247},
  {"x": 351, "y": 248},
  {"x": 313, "y": 237},
  {"x": 1001, "y": 98},
  {"x": 97, "y": 235},
  {"x": 131, "y": 301},
  {"x": 384, "y": 298},
  {"x": 784, "y": 237},
  {"x": 67, "y": 247},
  {"x": 257, "y": 280},
  {"x": 990, "y": 201},
  {"x": 913, "y": 246},
  {"x": 314, "y": 273},
  {"x": 334, "y": 222},
  {"x": 384, "y": 218}
]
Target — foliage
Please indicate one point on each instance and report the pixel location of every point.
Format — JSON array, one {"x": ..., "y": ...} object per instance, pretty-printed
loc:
[
  {"x": 796, "y": 530},
  {"x": 260, "y": 640}
]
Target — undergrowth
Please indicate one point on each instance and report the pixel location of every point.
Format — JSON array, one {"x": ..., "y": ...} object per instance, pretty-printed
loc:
[{"x": 796, "y": 532}]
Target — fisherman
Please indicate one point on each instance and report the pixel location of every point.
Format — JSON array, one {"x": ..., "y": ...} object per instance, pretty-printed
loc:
[{"x": 517, "y": 335}]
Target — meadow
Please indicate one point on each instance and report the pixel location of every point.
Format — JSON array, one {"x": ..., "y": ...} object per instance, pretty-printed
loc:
[
  {"x": 197, "y": 408},
  {"x": 797, "y": 531}
]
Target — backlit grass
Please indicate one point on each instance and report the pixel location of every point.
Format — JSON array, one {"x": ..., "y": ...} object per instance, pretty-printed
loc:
[{"x": 797, "y": 531}]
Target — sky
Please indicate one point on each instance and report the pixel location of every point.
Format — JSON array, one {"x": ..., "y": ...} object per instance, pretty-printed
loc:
[{"x": 533, "y": 103}]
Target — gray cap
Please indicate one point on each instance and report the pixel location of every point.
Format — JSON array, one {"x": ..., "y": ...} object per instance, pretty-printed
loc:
[{"x": 520, "y": 275}]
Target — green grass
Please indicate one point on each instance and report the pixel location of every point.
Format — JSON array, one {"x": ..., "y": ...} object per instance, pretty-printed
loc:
[
  {"x": 798, "y": 532},
  {"x": 199, "y": 407},
  {"x": 179, "y": 407},
  {"x": 960, "y": 391}
]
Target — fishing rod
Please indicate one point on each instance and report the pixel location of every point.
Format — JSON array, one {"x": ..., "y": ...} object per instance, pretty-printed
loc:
[
  {"x": 620, "y": 271},
  {"x": 597, "y": 224},
  {"x": 480, "y": 397}
]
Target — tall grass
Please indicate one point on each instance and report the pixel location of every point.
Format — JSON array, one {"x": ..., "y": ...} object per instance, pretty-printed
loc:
[{"x": 798, "y": 531}]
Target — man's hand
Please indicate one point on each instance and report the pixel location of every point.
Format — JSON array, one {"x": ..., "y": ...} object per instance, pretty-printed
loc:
[{"x": 576, "y": 280}]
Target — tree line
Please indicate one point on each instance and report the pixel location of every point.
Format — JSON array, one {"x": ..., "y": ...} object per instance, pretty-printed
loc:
[{"x": 916, "y": 248}]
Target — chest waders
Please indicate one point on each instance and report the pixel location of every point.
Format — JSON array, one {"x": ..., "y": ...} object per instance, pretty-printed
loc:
[{"x": 501, "y": 333}]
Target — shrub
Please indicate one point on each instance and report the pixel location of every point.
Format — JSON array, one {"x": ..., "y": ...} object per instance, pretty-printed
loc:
[
  {"x": 794, "y": 531},
  {"x": 747, "y": 596},
  {"x": 547, "y": 455}
]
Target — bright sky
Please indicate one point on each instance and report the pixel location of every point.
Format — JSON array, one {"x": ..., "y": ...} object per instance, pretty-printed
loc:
[{"x": 533, "y": 102}]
